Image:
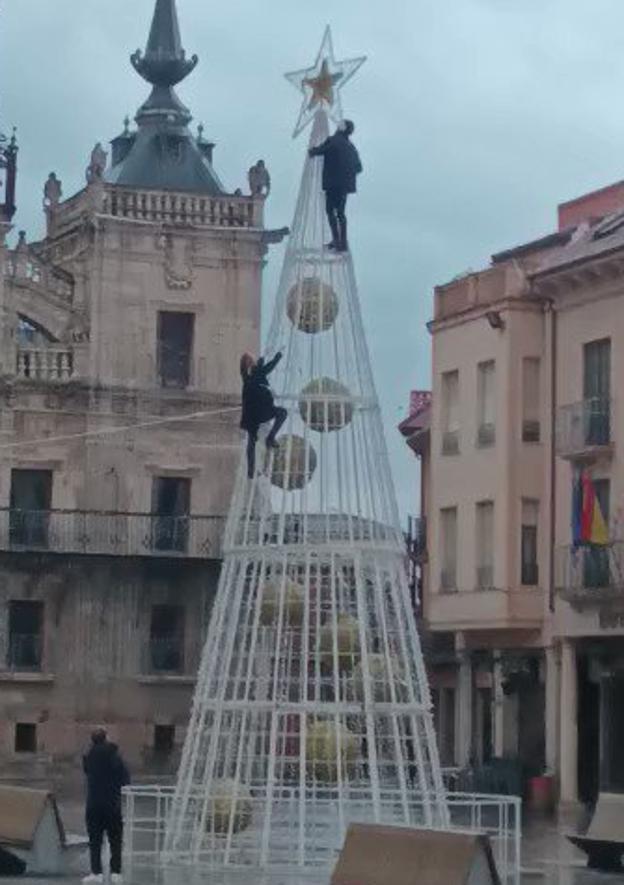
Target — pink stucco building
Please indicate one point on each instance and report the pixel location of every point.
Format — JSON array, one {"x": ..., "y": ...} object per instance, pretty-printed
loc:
[{"x": 525, "y": 633}]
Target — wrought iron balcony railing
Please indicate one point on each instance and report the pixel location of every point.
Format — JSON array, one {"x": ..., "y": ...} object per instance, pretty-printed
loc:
[
  {"x": 485, "y": 577},
  {"x": 584, "y": 427},
  {"x": 448, "y": 580},
  {"x": 111, "y": 533},
  {"x": 591, "y": 576},
  {"x": 486, "y": 435}
]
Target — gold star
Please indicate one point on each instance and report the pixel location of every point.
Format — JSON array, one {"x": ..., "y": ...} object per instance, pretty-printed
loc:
[
  {"x": 322, "y": 83},
  {"x": 322, "y": 86}
]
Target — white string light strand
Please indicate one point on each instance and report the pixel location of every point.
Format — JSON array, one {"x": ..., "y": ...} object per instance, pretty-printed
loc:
[{"x": 105, "y": 431}]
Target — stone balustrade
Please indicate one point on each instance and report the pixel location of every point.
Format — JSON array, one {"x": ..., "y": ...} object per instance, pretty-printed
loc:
[
  {"x": 177, "y": 208},
  {"x": 45, "y": 364}
]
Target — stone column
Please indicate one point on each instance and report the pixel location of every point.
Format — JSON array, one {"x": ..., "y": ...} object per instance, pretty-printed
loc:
[
  {"x": 568, "y": 787},
  {"x": 464, "y": 710},
  {"x": 498, "y": 702},
  {"x": 551, "y": 707}
]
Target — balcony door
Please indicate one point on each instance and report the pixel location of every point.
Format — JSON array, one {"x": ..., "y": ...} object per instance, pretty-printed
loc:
[
  {"x": 597, "y": 391},
  {"x": 31, "y": 501},
  {"x": 25, "y": 634},
  {"x": 171, "y": 499},
  {"x": 167, "y": 639}
]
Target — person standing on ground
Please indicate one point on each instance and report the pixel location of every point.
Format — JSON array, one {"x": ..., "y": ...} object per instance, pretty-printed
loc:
[
  {"x": 341, "y": 166},
  {"x": 258, "y": 405},
  {"x": 106, "y": 774}
]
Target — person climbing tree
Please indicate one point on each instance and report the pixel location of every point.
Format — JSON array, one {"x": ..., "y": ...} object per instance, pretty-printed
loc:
[
  {"x": 341, "y": 166},
  {"x": 258, "y": 405}
]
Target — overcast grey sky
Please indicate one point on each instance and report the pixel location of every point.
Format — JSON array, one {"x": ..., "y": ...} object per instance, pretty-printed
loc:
[{"x": 474, "y": 119}]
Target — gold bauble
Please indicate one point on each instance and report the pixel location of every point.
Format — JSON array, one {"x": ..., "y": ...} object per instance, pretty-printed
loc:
[
  {"x": 323, "y": 414},
  {"x": 347, "y": 641},
  {"x": 294, "y": 462},
  {"x": 230, "y": 807},
  {"x": 293, "y": 603},
  {"x": 312, "y": 305},
  {"x": 322, "y": 750},
  {"x": 380, "y": 680}
]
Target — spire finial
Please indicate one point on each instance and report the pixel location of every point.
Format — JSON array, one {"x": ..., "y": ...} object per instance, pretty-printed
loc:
[{"x": 165, "y": 62}]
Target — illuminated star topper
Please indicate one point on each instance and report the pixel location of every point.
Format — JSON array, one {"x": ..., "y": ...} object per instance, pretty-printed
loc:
[{"x": 321, "y": 84}]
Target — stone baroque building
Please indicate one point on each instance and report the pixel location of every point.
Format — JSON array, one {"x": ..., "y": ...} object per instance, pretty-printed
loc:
[
  {"x": 525, "y": 632},
  {"x": 131, "y": 312}
]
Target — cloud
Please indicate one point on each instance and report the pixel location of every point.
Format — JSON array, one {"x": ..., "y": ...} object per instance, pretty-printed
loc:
[{"x": 474, "y": 119}]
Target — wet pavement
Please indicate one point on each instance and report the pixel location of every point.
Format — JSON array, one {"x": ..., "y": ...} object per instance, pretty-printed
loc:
[{"x": 547, "y": 856}]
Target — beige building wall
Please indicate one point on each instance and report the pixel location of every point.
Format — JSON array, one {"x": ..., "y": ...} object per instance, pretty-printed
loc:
[{"x": 538, "y": 670}]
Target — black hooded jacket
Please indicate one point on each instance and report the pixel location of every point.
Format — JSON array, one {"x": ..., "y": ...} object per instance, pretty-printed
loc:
[
  {"x": 341, "y": 163},
  {"x": 106, "y": 774},
  {"x": 258, "y": 403}
]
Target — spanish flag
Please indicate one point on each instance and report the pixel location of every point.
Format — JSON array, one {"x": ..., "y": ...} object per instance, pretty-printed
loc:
[{"x": 588, "y": 523}]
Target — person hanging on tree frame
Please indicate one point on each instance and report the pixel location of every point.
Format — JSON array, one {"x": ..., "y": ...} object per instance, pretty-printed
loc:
[
  {"x": 341, "y": 166},
  {"x": 258, "y": 405}
]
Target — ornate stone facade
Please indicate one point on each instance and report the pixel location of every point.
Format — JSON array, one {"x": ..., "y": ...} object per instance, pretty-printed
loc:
[{"x": 129, "y": 314}]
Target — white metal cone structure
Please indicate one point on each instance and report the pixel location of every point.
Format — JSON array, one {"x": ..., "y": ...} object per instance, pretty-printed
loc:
[{"x": 312, "y": 707}]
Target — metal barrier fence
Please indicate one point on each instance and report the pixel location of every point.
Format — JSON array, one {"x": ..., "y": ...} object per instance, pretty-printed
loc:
[{"x": 147, "y": 808}]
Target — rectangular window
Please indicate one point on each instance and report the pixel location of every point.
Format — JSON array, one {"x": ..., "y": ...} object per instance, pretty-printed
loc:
[
  {"x": 25, "y": 635},
  {"x": 164, "y": 739},
  {"x": 175, "y": 345},
  {"x": 597, "y": 392},
  {"x": 166, "y": 645},
  {"x": 529, "y": 569},
  {"x": 486, "y": 404},
  {"x": 25, "y": 737},
  {"x": 485, "y": 545},
  {"x": 31, "y": 501},
  {"x": 448, "y": 528},
  {"x": 450, "y": 413},
  {"x": 531, "y": 425},
  {"x": 171, "y": 502}
]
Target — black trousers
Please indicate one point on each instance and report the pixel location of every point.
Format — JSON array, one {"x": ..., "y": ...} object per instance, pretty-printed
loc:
[
  {"x": 279, "y": 416},
  {"x": 101, "y": 821},
  {"x": 335, "y": 206}
]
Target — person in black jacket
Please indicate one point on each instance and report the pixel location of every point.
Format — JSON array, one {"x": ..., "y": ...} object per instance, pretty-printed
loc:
[
  {"x": 258, "y": 405},
  {"x": 341, "y": 166},
  {"x": 106, "y": 774}
]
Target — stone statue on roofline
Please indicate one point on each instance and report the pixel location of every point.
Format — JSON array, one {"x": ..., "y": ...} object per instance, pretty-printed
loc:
[
  {"x": 259, "y": 180},
  {"x": 97, "y": 164},
  {"x": 52, "y": 192}
]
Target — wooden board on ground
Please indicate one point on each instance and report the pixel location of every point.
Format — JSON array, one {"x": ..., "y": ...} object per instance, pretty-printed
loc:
[
  {"x": 384, "y": 855},
  {"x": 31, "y": 832}
]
